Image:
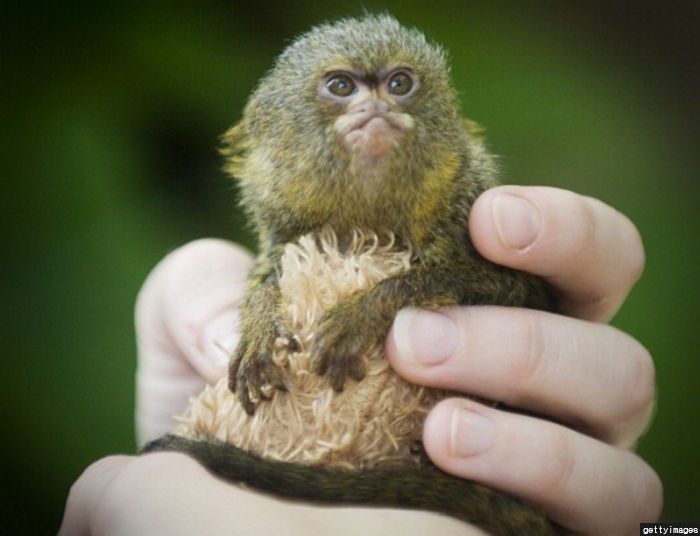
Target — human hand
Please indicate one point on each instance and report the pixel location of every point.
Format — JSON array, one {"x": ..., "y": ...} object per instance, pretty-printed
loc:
[
  {"x": 171, "y": 493},
  {"x": 593, "y": 379},
  {"x": 185, "y": 315},
  {"x": 186, "y": 318}
]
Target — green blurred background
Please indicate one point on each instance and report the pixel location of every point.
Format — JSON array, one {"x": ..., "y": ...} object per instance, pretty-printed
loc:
[{"x": 110, "y": 118}]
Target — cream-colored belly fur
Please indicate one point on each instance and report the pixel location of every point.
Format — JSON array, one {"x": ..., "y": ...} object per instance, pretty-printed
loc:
[{"x": 376, "y": 422}]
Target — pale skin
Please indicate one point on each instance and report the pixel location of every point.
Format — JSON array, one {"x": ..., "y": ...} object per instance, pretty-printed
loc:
[{"x": 594, "y": 380}]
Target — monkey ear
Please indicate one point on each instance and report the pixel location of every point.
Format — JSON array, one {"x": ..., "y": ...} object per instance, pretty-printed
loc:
[
  {"x": 234, "y": 147},
  {"x": 474, "y": 129}
]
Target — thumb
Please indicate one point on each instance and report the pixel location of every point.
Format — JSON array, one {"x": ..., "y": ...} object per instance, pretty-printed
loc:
[{"x": 186, "y": 328}]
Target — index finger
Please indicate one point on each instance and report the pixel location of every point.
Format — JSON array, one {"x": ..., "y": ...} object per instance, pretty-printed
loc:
[{"x": 588, "y": 251}]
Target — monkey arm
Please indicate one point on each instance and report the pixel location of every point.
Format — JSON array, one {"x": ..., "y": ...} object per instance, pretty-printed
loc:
[
  {"x": 251, "y": 370},
  {"x": 446, "y": 277}
]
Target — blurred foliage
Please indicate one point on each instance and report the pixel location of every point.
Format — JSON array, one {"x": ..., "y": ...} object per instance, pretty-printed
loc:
[{"x": 110, "y": 118}]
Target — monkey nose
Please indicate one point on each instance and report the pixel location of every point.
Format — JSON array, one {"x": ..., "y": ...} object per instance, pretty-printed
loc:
[{"x": 370, "y": 105}]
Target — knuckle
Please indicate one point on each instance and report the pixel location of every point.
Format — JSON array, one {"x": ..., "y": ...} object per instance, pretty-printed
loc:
[
  {"x": 117, "y": 494},
  {"x": 650, "y": 501},
  {"x": 629, "y": 413},
  {"x": 635, "y": 258},
  {"x": 527, "y": 367},
  {"x": 636, "y": 413},
  {"x": 587, "y": 219},
  {"x": 637, "y": 264},
  {"x": 559, "y": 470},
  {"x": 644, "y": 377},
  {"x": 582, "y": 221},
  {"x": 604, "y": 226}
]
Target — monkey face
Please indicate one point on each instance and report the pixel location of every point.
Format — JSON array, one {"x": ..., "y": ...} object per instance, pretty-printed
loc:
[
  {"x": 351, "y": 113},
  {"x": 364, "y": 92},
  {"x": 371, "y": 108}
]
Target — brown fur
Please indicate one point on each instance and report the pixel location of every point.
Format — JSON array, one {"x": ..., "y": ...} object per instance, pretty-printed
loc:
[{"x": 301, "y": 182}]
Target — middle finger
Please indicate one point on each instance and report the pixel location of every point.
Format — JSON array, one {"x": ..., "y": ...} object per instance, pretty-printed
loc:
[{"x": 591, "y": 376}]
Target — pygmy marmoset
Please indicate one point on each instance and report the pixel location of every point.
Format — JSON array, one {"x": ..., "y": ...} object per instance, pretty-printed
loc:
[{"x": 357, "y": 126}]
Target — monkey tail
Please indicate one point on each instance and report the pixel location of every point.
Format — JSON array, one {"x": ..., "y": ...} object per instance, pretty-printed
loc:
[{"x": 422, "y": 489}]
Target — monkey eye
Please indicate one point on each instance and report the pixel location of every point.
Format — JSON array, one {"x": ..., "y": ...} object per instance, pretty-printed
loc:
[
  {"x": 400, "y": 83},
  {"x": 340, "y": 85}
]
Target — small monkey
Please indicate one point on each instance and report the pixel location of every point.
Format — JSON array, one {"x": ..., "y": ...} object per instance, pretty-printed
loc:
[{"x": 357, "y": 126}]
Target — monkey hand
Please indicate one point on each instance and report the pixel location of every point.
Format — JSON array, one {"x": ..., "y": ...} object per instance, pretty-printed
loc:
[
  {"x": 253, "y": 375},
  {"x": 344, "y": 334}
]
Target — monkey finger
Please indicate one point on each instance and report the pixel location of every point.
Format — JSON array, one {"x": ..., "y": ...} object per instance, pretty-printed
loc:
[
  {"x": 186, "y": 317},
  {"x": 235, "y": 364},
  {"x": 591, "y": 376},
  {"x": 587, "y": 250},
  {"x": 585, "y": 485}
]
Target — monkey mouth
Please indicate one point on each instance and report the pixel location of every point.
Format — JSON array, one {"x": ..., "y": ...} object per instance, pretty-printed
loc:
[
  {"x": 374, "y": 133},
  {"x": 373, "y": 122}
]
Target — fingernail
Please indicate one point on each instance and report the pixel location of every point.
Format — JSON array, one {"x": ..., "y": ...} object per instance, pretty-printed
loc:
[
  {"x": 220, "y": 337},
  {"x": 425, "y": 338},
  {"x": 470, "y": 433},
  {"x": 517, "y": 221}
]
